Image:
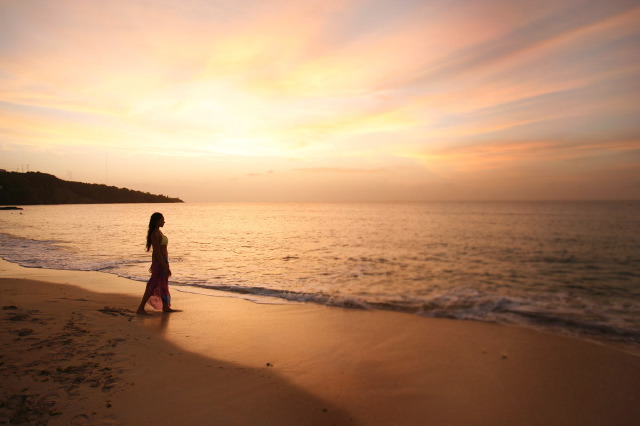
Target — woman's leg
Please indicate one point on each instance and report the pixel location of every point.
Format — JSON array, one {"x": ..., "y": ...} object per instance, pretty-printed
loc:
[
  {"x": 166, "y": 307},
  {"x": 145, "y": 298}
]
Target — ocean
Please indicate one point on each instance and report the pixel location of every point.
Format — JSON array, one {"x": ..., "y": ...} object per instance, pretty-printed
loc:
[{"x": 564, "y": 267}]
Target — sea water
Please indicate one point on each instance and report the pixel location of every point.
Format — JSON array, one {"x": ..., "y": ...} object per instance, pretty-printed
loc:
[{"x": 568, "y": 267}]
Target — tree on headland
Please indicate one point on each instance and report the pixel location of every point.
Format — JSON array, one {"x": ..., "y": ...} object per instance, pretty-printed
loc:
[{"x": 42, "y": 188}]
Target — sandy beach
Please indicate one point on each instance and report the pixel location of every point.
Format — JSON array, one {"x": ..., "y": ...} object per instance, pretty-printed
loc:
[{"x": 73, "y": 352}]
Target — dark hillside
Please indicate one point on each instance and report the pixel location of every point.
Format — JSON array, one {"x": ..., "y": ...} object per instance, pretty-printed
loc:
[{"x": 41, "y": 188}]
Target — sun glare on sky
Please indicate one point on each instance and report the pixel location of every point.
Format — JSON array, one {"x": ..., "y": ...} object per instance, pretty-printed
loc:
[{"x": 351, "y": 100}]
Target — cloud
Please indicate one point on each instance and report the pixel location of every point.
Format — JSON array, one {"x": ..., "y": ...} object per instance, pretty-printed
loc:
[
  {"x": 457, "y": 86},
  {"x": 339, "y": 170},
  {"x": 527, "y": 36},
  {"x": 255, "y": 174},
  {"x": 533, "y": 154}
]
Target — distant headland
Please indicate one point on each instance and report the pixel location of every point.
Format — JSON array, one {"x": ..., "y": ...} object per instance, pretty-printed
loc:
[{"x": 41, "y": 188}]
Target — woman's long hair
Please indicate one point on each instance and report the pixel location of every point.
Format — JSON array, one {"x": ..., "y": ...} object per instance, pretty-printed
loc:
[{"x": 153, "y": 225}]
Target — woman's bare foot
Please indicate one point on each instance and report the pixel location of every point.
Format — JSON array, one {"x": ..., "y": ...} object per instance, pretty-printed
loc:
[
  {"x": 170, "y": 310},
  {"x": 142, "y": 312}
]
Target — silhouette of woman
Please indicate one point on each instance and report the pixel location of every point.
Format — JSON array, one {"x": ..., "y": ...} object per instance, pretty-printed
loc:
[{"x": 157, "y": 291}]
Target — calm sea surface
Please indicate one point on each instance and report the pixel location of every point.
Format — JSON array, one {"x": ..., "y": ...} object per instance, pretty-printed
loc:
[{"x": 569, "y": 267}]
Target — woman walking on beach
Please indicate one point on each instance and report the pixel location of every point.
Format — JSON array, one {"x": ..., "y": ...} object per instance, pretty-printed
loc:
[{"x": 157, "y": 291}]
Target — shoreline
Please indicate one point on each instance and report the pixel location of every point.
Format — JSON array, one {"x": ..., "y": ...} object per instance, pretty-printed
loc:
[
  {"x": 230, "y": 361},
  {"x": 616, "y": 341}
]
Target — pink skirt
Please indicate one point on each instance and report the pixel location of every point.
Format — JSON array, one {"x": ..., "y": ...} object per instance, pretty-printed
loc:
[{"x": 158, "y": 285}]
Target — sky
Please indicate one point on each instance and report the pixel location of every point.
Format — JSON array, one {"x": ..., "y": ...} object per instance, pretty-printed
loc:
[{"x": 328, "y": 100}]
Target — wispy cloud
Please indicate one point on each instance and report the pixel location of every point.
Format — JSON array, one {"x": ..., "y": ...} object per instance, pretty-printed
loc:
[{"x": 339, "y": 170}]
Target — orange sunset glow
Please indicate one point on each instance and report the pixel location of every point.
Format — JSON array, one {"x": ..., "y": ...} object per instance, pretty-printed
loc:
[{"x": 351, "y": 100}]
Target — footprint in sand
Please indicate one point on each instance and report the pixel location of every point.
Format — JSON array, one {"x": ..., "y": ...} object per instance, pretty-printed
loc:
[
  {"x": 22, "y": 332},
  {"x": 80, "y": 419},
  {"x": 109, "y": 420},
  {"x": 17, "y": 317},
  {"x": 116, "y": 312}
]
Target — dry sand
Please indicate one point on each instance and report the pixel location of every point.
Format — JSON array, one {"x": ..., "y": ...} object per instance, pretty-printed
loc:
[{"x": 73, "y": 352}]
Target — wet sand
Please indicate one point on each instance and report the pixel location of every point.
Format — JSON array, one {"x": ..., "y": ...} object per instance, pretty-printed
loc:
[{"x": 73, "y": 352}]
